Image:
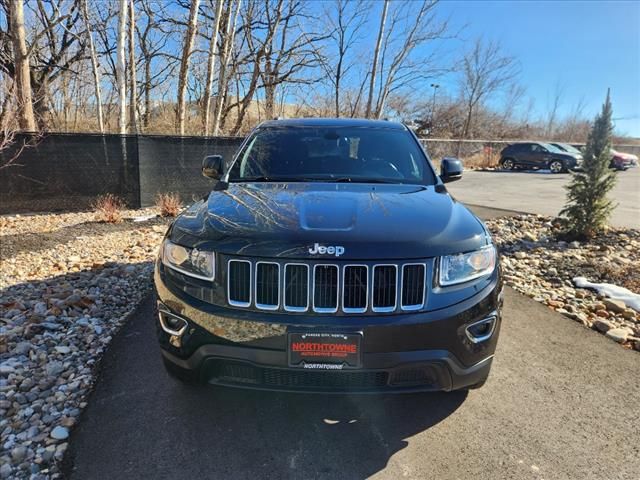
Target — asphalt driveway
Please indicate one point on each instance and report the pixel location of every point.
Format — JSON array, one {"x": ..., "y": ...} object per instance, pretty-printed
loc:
[
  {"x": 543, "y": 192},
  {"x": 561, "y": 402}
]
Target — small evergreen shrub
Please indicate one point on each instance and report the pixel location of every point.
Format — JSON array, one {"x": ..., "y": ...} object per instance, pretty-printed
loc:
[{"x": 588, "y": 209}]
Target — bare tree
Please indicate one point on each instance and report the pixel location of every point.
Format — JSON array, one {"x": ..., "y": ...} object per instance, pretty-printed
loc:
[
  {"x": 552, "y": 114},
  {"x": 213, "y": 52},
  {"x": 223, "y": 78},
  {"x": 121, "y": 65},
  {"x": 376, "y": 53},
  {"x": 155, "y": 32},
  {"x": 187, "y": 50},
  {"x": 95, "y": 66},
  {"x": 399, "y": 67},
  {"x": 287, "y": 53},
  {"x": 133, "y": 88},
  {"x": 485, "y": 70},
  {"x": 22, "y": 70},
  {"x": 346, "y": 26}
]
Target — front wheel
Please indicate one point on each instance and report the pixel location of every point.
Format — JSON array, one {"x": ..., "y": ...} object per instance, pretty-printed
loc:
[
  {"x": 556, "y": 166},
  {"x": 507, "y": 164}
]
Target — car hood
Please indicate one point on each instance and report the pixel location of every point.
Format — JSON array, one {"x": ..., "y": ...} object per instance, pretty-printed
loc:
[
  {"x": 369, "y": 221},
  {"x": 624, "y": 156}
]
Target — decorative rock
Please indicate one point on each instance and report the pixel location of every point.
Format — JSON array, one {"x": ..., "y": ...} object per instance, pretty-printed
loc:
[
  {"x": 618, "y": 334},
  {"x": 602, "y": 325},
  {"x": 62, "y": 349},
  {"x": 54, "y": 369},
  {"x": 616, "y": 306},
  {"x": 5, "y": 470},
  {"x": 59, "y": 433},
  {"x": 18, "y": 454}
]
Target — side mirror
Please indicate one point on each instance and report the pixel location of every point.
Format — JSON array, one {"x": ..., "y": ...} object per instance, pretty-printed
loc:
[
  {"x": 212, "y": 166},
  {"x": 450, "y": 169}
]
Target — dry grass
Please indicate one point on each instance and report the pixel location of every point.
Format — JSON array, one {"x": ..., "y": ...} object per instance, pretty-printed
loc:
[
  {"x": 626, "y": 276},
  {"x": 108, "y": 208},
  {"x": 169, "y": 204},
  {"x": 481, "y": 160}
]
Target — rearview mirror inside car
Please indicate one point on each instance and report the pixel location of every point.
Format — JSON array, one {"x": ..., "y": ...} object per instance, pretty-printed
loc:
[
  {"x": 212, "y": 166},
  {"x": 450, "y": 169}
]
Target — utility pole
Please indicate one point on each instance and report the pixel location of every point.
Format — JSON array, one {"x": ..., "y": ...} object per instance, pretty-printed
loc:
[{"x": 435, "y": 87}]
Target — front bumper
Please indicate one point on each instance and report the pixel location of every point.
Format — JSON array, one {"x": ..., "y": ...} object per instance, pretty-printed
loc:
[{"x": 421, "y": 351}]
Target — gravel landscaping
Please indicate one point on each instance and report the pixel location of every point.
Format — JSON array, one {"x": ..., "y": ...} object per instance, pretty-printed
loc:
[
  {"x": 67, "y": 284},
  {"x": 543, "y": 268}
]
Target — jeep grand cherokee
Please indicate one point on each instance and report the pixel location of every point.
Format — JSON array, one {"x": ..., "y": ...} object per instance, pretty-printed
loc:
[{"x": 330, "y": 257}]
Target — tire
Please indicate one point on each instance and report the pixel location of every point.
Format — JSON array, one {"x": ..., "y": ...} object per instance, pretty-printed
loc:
[
  {"x": 507, "y": 164},
  {"x": 557, "y": 166}
]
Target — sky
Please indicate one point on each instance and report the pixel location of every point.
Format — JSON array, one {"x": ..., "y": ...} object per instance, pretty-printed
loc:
[{"x": 584, "y": 47}]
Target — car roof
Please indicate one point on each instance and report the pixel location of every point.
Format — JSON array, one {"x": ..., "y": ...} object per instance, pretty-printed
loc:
[{"x": 332, "y": 122}]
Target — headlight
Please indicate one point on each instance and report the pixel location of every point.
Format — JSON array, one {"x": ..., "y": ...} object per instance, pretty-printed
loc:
[
  {"x": 190, "y": 261},
  {"x": 467, "y": 266}
]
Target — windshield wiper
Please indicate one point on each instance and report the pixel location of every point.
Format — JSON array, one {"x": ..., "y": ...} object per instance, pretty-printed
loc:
[
  {"x": 360, "y": 180},
  {"x": 263, "y": 178}
]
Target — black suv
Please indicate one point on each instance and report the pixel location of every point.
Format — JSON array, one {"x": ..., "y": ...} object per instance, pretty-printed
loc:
[
  {"x": 538, "y": 155},
  {"x": 329, "y": 257}
]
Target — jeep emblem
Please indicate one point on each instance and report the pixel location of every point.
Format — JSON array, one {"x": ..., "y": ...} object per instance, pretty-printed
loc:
[{"x": 318, "y": 249}]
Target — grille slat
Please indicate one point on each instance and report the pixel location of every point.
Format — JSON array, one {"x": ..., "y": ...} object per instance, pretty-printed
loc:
[
  {"x": 296, "y": 290},
  {"x": 384, "y": 288},
  {"x": 267, "y": 285},
  {"x": 355, "y": 288},
  {"x": 413, "y": 286},
  {"x": 326, "y": 287},
  {"x": 239, "y": 283}
]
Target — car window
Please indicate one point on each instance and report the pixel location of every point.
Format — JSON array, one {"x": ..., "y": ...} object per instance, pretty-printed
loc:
[{"x": 330, "y": 153}]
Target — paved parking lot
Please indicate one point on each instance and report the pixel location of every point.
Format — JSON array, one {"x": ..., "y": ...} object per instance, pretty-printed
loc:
[{"x": 543, "y": 192}]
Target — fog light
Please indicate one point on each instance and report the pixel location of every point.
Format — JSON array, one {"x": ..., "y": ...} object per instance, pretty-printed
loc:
[
  {"x": 482, "y": 329},
  {"x": 172, "y": 324}
]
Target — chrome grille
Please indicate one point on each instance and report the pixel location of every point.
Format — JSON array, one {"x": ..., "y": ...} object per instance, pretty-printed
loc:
[
  {"x": 326, "y": 288},
  {"x": 239, "y": 283},
  {"x": 385, "y": 279},
  {"x": 296, "y": 287},
  {"x": 413, "y": 286},
  {"x": 267, "y": 285},
  {"x": 355, "y": 288}
]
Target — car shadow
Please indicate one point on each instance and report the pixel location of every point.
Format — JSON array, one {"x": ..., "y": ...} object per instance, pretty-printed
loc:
[{"x": 141, "y": 423}]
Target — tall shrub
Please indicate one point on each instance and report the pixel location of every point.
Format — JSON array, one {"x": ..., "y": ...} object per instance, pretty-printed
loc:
[{"x": 587, "y": 209}]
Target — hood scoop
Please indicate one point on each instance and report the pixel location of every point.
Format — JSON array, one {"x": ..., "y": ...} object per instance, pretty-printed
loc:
[{"x": 327, "y": 213}]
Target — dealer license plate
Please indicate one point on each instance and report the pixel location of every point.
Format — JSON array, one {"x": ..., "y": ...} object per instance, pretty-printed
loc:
[{"x": 324, "y": 351}]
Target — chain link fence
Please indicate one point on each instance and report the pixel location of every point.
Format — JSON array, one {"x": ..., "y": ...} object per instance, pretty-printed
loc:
[{"x": 68, "y": 171}]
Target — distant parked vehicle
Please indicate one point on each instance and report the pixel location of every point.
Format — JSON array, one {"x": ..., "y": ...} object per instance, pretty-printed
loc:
[
  {"x": 565, "y": 147},
  {"x": 538, "y": 155},
  {"x": 622, "y": 161}
]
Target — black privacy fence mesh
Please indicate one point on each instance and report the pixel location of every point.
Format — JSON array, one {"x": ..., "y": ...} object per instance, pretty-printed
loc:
[{"x": 68, "y": 171}]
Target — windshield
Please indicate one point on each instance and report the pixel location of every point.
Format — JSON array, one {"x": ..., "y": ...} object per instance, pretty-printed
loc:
[
  {"x": 552, "y": 148},
  {"x": 356, "y": 154},
  {"x": 569, "y": 148}
]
